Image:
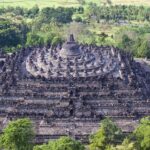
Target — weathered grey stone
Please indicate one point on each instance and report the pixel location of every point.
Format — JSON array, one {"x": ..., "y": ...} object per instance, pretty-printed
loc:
[{"x": 68, "y": 90}]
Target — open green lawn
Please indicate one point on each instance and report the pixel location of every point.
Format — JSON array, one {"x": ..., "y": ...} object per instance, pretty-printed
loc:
[
  {"x": 40, "y": 3},
  {"x": 66, "y": 3},
  {"x": 132, "y": 2}
]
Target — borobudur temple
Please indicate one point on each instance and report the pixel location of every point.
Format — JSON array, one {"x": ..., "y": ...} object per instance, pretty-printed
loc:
[{"x": 70, "y": 88}]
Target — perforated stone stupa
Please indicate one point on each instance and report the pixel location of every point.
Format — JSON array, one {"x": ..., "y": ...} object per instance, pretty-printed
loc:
[{"x": 69, "y": 89}]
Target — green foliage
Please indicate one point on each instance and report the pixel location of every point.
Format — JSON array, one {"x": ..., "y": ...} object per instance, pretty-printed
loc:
[
  {"x": 56, "y": 40},
  {"x": 51, "y": 32},
  {"x": 48, "y": 39},
  {"x": 117, "y": 12},
  {"x": 9, "y": 37},
  {"x": 12, "y": 34},
  {"x": 99, "y": 12},
  {"x": 34, "y": 40},
  {"x": 41, "y": 4},
  {"x": 33, "y": 11},
  {"x": 126, "y": 41},
  {"x": 142, "y": 47},
  {"x": 63, "y": 15},
  {"x": 142, "y": 134},
  {"x": 108, "y": 134},
  {"x": 18, "y": 135},
  {"x": 9, "y": 34},
  {"x": 91, "y": 11},
  {"x": 135, "y": 40},
  {"x": 20, "y": 11},
  {"x": 82, "y": 2},
  {"x": 110, "y": 147},
  {"x": 49, "y": 26},
  {"x": 126, "y": 145},
  {"x": 77, "y": 19},
  {"x": 125, "y": 37},
  {"x": 87, "y": 37},
  {"x": 64, "y": 143}
]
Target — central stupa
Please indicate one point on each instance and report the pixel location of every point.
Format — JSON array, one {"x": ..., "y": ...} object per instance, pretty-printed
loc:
[
  {"x": 70, "y": 48},
  {"x": 74, "y": 60}
]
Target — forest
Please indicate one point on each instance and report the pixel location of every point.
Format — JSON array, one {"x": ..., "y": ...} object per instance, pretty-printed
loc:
[{"x": 126, "y": 27}]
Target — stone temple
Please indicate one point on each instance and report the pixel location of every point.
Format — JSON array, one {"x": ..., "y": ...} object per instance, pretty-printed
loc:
[{"x": 70, "y": 88}]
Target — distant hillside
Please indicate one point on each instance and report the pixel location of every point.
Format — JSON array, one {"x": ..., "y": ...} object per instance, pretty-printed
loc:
[
  {"x": 68, "y": 3},
  {"x": 131, "y": 2}
]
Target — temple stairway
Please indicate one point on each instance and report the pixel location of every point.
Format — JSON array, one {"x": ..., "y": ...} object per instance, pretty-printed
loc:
[{"x": 59, "y": 108}]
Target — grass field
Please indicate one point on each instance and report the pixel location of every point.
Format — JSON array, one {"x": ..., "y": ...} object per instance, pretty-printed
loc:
[
  {"x": 65, "y": 3},
  {"x": 132, "y": 2},
  {"x": 40, "y": 3}
]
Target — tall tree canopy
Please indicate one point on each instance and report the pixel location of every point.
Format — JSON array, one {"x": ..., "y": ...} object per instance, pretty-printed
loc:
[
  {"x": 64, "y": 143},
  {"x": 107, "y": 134},
  {"x": 18, "y": 135},
  {"x": 142, "y": 134}
]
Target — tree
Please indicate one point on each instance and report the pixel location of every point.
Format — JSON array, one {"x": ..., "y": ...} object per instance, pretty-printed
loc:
[
  {"x": 63, "y": 15},
  {"x": 91, "y": 11},
  {"x": 82, "y": 2},
  {"x": 143, "y": 47},
  {"x": 10, "y": 37},
  {"x": 142, "y": 134},
  {"x": 33, "y": 11},
  {"x": 136, "y": 40},
  {"x": 125, "y": 38},
  {"x": 77, "y": 19},
  {"x": 126, "y": 41},
  {"x": 108, "y": 134},
  {"x": 18, "y": 135},
  {"x": 34, "y": 40},
  {"x": 12, "y": 34},
  {"x": 56, "y": 40},
  {"x": 64, "y": 143},
  {"x": 126, "y": 145},
  {"x": 109, "y": 2},
  {"x": 48, "y": 39}
]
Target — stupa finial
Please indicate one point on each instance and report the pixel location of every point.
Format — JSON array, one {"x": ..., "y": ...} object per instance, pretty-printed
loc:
[
  {"x": 71, "y": 38},
  {"x": 70, "y": 48}
]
